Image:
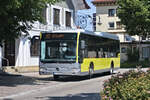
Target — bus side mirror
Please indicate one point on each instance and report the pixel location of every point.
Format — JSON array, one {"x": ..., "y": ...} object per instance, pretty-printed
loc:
[{"x": 82, "y": 44}]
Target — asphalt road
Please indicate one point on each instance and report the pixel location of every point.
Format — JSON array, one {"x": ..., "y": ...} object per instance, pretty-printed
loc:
[
  {"x": 76, "y": 90},
  {"x": 34, "y": 87}
]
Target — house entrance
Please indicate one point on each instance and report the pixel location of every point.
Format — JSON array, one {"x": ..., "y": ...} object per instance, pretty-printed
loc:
[{"x": 9, "y": 53}]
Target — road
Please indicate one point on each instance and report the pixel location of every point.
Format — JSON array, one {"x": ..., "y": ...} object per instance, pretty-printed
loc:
[{"x": 34, "y": 87}]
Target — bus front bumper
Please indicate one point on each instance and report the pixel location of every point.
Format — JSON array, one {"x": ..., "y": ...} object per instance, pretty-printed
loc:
[{"x": 73, "y": 72}]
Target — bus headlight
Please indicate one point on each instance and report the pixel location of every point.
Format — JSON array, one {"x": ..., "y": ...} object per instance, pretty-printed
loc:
[{"x": 42, "y": 69}]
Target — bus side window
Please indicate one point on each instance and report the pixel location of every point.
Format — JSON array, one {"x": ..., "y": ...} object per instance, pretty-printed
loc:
[
  {"x": 97, "y": 55},
  {"x": 91, "y": 54},
  {"x": 101, "y": 54}
]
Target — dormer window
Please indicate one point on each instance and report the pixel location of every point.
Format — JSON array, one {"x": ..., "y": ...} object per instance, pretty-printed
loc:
[
  {"x": 34, "y": 48},
  {"x": 68, "y": 19},
  {"x": 56, "y": 15}
]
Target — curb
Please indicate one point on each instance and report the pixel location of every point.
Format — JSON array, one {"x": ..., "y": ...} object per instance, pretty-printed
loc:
[{"x": 20, "y": 69}]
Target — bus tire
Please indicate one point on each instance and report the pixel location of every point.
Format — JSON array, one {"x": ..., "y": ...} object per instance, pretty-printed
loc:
[
  {"x": 91, "y": 70},
  {"x": 112, "y": 68},
  {"x": 56, "y": 77}
]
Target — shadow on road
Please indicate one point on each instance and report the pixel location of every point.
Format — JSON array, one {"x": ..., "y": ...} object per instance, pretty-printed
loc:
[
  {"x": 82, "y": 96},
  {"x": 80, "y": 78},
  {"x": 11, "y": 80}
]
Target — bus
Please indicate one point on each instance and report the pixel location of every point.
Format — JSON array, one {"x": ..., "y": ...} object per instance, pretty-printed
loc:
[{"x": 78, "y": 53}]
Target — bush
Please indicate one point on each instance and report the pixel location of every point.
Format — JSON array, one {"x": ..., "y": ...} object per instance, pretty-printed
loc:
[
  {"x": 132, "y": 85},
  {"x": 144, "y": 64},
  {"x": 128, "y": 65}
]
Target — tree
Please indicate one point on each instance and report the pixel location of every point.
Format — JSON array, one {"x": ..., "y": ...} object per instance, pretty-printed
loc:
[
  {"x": 16, "y": 16},
  {"x": 135, "y": 15}
]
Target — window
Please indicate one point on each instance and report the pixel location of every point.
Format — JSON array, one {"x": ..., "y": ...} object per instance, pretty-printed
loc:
[
  {"x": 68, "y": 19},
  {"x": 111, "y": 25},
  {"x": 119, "y": 25},
  {"x": 35, "y": 43},
  {"x": 56, "y": 19},
  {"x": 128, "y": 38},
  {"x": 123, "y": 50},
  {"x": 145, "y": 52},
  {"x": 111, "y": 12},
  {"x": 105, "y": 48},
  {"x": 94, "y": 21}
]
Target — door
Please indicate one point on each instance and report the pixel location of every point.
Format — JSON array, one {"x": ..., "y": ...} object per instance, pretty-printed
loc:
[{"x": 10, "y": 53}]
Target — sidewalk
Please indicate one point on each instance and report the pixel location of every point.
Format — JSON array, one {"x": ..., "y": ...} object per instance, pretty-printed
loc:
[
  {"x": 16, "y": 70},
  {"x": 14, "y": 80}
]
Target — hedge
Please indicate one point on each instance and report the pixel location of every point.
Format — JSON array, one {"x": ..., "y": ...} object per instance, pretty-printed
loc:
[
  {"x": 144, "y": 64},
  {"x": 132, "y": 85}
]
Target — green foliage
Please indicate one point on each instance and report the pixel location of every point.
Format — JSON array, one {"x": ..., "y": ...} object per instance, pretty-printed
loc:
[
  {"x": 132, "y": 85},
  {"x": 15, "y": 16},
  {"x": 135, "y": 15},
  {"x": 128, "y": 65},
  {"x": 133, "y": 56}
]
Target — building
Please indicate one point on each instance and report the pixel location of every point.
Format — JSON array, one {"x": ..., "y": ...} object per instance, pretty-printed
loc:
[
  {"x": 106, "y": 18},
  {"x": 86, "y": 17},
  {"x": 24, "y": 51},
  {"x": 107, "y": 21},
  {"x": 143, "y": 46}
]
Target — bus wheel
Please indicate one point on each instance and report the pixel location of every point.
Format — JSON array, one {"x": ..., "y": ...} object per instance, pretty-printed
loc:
[
  {"x": 56, "y": 77},
  {"x": 91, "y": 70},
  {"x": 112, "y": 68}
]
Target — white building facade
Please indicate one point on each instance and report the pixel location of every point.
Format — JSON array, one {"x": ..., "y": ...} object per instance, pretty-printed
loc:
[
  {"x": 107, "y": 21},
  {"x": 106, "y": 17},
  {"x": 24, "y": 51}
]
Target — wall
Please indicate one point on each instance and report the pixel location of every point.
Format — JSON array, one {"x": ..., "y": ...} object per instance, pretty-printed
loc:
[
  {"x": 23, "y": 43},
  {"x": 84, "y": 18},
  {"x": 131, "y": 45},
  {"x": 68, "y": 4},
  {"x": 102, "y": 13},
  {"x": 23, "y": 56}
]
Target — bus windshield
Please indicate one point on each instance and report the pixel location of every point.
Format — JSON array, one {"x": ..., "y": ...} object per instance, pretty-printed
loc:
[{"x": 58, "y": 50}]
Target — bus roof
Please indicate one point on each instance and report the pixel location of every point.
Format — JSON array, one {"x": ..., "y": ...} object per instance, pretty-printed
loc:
[
  {"x": 100, "y": 34},
  {"x": 107, "y": 35}
]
